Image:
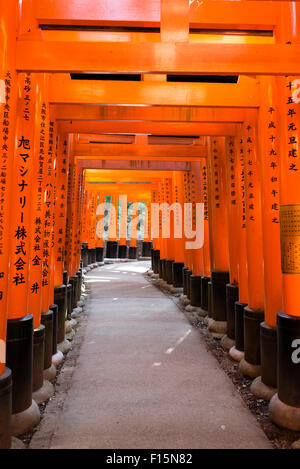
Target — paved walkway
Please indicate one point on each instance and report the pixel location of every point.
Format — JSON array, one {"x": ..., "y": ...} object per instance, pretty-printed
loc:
[{"x": 144, "y": 378}]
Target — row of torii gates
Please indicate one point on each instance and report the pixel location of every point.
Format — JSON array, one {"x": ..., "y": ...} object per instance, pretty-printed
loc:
[{"x": 189, "y": 102}]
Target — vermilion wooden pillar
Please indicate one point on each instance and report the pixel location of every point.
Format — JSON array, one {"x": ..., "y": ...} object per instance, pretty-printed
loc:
[
  {"x": 70, "y": 206},
  {"x": 269, "y": 134},
  {"x": 75, "y": 248},
  {"x": 162, "y": 239},
  {"x": 197, "y": 254},
  {"x": 285, "y": 405},
  {"x": 84, "y": 234},
  {"x": 92, "y": 213},
  {"x": 237, "y": 351},
  {"x": 218, "y": 227},
  {"x": 233, "y": 170},
  {"x": 20, "y": 324},
  {"x": 99, "y": 226},
  {"x": 147, "y": 244},
  {"x": 187, "y": 270},
  {"x": 168, "y": 220},
  {"x": 76, "y": 223},
  {"x": 122, "y": 249},
  {"x": 206, "y": 249},
  {"x": 42, "y": 347},
  {"x": 155, "y": 234},
  {"x": 72, "y": 243},
  {"x": 112, "y": 244},
  {"x": 254, "y": 312},
  {"x": 132, "y": 254},
  {"x": 61, "y": 185},
  {"x": 61, "y": 284},
  {"x": 47, "y": 280},
  {"x": 7, "y": 142},
  {"x": 178, "y": 199}
]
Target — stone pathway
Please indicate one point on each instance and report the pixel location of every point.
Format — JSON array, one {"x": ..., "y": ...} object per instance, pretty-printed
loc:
[{"x": 144, "y": 378}]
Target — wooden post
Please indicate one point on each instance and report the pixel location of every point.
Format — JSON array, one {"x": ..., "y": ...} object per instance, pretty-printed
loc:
[
  {"x": 254, "y": 312},
  {"x": 218, "y": 226}
]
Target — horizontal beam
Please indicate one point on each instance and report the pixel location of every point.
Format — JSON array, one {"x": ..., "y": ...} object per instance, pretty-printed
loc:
[
  {"x": 147, "y": 13},
  {"x": 134, "y": 187},
  {"x": 138, "y": 193},
  {"x": 139, "y": 151},
  {"x": 121, "y": 176},
  {"x": 218, "y": 59},
  {"x": 139, "y": 165},
  {"x": 155, "y": 128},
  {"x": 147, "y": 113},
  {"x": 62, "y": 90},
  {"x": 146, "y": 158}
]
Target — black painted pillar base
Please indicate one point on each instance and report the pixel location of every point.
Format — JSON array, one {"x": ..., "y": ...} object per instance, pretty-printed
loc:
[
  {"x": 188, "y": 284},
  {"x": 268, "y": 346},
  {"x": 60, "y": 299},
  {"x": 184, "y": 279},
  {"x": 69, "y": 301},
  {"x": 161, "y": 268},
  {"x": 285, "y": 406},
  {"x": 92, "y": 256},
  {"x": 204, "y": 292},
  {"x": 5, "y": 409},
  {"x": 99, "y": 254},
  {"x": 54, "y": 309},
  {"x": 250, "y": 365},
  {"x": 65, "y": 278},
  {"x": 156, "y": 259},
  {"x": 132, "y": 252},
  {"x": 195, "y": 290},
  {"x": 74, "y": 282},
  {"x": 47, "y": 321},
  {"x": 146, "y": 248},
  {"x": 209, "y": 302},
  {"x": 19, "y": 358},
  {"x": 177, "y": 274},
  {"x": 79, "y": 285},
  {"x": 237, "y": 351},
  {"x": 264, "y": 386},
  {"x": 239, "y": 325},
  {"x": 153, "y": 259},
  {"x": 168, "y": 271},
  {"x": 232, "y": 295},
  {"x": 219, "y": 281},
  {"x": 38, "y": 358},
  {"x": 84, "y": 254},
  {"x": 252, "y": 320},
  {"x": 122, "y": 251},
  {"x": 111, "y": 249}
]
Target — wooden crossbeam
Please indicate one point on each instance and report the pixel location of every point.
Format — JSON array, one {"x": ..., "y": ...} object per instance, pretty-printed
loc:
[
  {"x": 147, "y": 13},
  {"x": 154, "y": 128},
  {"x": 133, "y": 164},
  {"x": 72, "y": 112},
  {"x": 139, "y": 151},
  {"x": 62, "y": 90},
  {"x": 183, "y": 58}
]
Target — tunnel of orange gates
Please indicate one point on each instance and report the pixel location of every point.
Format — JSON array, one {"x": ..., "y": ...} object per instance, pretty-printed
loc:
[{"x": 164, "y": 131}]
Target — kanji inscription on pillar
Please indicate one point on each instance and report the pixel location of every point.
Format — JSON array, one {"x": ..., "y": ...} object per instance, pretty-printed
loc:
[{"x": 290, "y": 238}]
